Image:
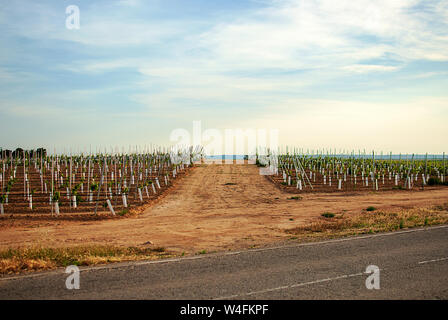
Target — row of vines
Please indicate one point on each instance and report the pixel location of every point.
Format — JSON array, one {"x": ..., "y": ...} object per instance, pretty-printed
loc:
[
  {"x": 303, "y": 172},
  {"x": 57, "y": 184}
]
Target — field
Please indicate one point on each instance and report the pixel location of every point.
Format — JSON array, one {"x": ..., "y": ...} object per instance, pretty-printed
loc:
[
  {"x": 346, "y": 173},
  {"x": 220, "y": 207},
  {"x": 36, "y": 184}
]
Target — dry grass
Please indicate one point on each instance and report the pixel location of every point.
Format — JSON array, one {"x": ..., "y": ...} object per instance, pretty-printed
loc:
[
  {"x": 345, "y": 224},
  {"x": 39, "y": 258},
  {"x": 340, "y": 225}
]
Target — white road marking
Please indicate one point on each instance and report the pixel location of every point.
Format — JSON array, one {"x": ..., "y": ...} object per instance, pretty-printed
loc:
[
  {"x": 435, "y": 260},
  {"x": 140, "y": 263},
  {"x": 301, "y": 284},
  {"x": 311, "y": 282}
]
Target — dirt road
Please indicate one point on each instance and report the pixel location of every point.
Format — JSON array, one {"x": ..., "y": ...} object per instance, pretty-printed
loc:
[{"x": 215, "y": 207}]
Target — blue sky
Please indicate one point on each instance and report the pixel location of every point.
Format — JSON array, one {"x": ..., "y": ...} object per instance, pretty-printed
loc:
[{"x": 327, "y": 74}]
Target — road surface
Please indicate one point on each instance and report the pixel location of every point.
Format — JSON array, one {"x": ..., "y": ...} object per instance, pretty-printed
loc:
[{"x": 413, "y": 265}]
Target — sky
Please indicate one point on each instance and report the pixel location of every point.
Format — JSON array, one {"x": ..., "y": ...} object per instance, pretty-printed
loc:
[{"x": 327, "y": 74}]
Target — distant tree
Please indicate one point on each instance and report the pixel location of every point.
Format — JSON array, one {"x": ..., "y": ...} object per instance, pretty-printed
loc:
[
  {"x": 41, "y": 152},
  {"x": 17, "y": 153}
]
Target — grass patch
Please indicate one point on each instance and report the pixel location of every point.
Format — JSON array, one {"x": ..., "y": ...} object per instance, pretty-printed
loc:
[
  {"x": 378, "y": 221},
  {"x": 202, "y": 252},
  {"x": 295, "y": 198},
  {"x": 123, "y": 212},
  {"x": 327, "y": 215},
  {"x": 39, "y": 258},
  {"x": 370, "y": 208}
]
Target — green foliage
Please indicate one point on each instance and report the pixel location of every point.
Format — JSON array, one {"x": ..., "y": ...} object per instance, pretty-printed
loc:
[
  {"x": 436, "y": 181},
  {"x": 123, "y": 212},
  {"x": 94, "y": 186},
  {"x": 328, "y": 215},
  {"x": 10, "y": 184},
  {"x": 56, "y": 196}
]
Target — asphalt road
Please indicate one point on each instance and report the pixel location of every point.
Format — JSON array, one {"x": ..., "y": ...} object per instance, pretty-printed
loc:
[{"x": 413, "y": 265}]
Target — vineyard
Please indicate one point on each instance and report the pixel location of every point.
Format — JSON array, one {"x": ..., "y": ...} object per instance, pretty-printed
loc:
[
  {"x": 327, "y": 173},
  {"x": 32, "y": 182}
]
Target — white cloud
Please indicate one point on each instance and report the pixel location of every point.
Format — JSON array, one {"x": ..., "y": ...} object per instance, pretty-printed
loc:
[
  {"x": 328, "y": 33},
  {"x": 9, "y": 76},
  {"x": 425, "y": 75},
  {"x": 95, "y": 66},
  {"x": 364, "y": 68}
]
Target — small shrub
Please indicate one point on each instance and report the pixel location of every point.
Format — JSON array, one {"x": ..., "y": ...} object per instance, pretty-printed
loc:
[
  {"x": 370, "y": 208},
  {"x": 328, "y": 215},
  {"x": 94, "y": 186},
  {"x": 295, "y": 198},
  {"x": 123, "y": 212},
  {"x": 434, "y": 181}
]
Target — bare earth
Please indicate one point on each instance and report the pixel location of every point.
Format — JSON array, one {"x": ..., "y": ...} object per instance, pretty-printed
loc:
[{"x": 203, "y": 213}]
